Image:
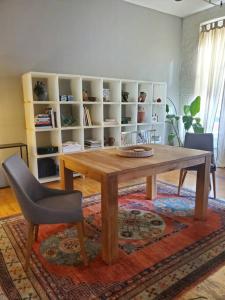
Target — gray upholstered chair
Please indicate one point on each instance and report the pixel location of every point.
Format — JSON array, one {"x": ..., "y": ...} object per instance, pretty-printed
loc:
[
  {"x": 203, "y": 141},
  {"x": 41, "y": 205}
]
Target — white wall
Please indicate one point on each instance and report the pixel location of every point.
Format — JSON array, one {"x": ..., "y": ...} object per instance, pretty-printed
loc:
[
  {"x": 190, "y": 36},
  {"x": 93, "y": 37}
]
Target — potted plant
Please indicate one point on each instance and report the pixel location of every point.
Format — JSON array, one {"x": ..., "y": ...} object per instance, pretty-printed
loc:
[{"x": 189, "y": 119}]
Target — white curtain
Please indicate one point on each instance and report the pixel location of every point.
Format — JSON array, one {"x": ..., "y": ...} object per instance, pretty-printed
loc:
[
  {"x": 210, "y": 80},
  {"x": 221, "y": 136}
]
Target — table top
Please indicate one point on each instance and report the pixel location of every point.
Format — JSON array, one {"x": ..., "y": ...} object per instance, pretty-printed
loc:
[
  {"x": 13, "y": 145},
  {"x": 107, "y": 161}
]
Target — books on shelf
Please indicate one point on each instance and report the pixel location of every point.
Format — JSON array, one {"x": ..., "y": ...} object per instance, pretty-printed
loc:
[
  {"x": 108, "y": 122},
  {"x": 87, "y": 117},
  {"x": 46, "y": 119},
  {"x": 92, "y": 144},
  {"x": 70, "y": 147}
]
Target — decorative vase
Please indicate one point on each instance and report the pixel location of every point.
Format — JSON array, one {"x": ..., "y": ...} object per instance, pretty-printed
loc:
[
  {"x": 40, "y": 91},
  {"x": 141, "y": 116}
]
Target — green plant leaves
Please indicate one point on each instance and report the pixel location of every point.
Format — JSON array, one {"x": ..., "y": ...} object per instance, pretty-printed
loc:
[
  {"x": 186, "y": 109},
  {"x": 195, "y": 106},
  {"x": 197, "y": 128},
  {"x": 187, "y": 120}
]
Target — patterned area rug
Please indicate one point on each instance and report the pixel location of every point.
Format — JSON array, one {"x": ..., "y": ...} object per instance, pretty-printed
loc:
[{"x": 163, "y": 250}]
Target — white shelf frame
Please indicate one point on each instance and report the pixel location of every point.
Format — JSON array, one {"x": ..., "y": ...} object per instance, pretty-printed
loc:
[{"x": 73, "y": 85}]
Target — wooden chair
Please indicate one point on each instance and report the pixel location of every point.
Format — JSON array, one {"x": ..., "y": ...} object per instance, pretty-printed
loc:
[
  {"x": 41, "y": 205},
  {"x": 204, "y": 142}
]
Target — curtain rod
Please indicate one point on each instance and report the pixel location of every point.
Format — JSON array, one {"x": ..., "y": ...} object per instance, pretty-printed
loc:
[
  {"x": 212, "y": 21},
  {"x": 213, "y": 24}
]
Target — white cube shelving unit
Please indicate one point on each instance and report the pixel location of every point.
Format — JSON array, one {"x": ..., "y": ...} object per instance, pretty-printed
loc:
[{"x": 114, "y": 108}]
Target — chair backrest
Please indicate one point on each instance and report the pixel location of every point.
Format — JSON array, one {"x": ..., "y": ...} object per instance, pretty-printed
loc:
[
  {"x": 26, "y": 187},
  {"x": 199, "y": 141}
]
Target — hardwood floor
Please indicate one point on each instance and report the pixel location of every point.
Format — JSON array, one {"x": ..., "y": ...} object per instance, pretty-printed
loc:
[{"x": 212, "y": 288}]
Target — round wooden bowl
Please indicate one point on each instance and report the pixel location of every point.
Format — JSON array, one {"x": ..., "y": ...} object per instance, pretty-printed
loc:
[{"x": 135, "y": 151}]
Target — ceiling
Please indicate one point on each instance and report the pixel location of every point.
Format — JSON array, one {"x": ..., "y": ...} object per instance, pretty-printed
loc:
[{"x": 181, "y": 9}]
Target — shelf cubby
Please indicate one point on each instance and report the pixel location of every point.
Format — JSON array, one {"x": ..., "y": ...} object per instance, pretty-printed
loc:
[
  {"x": 147, "y": 113},
  {"x": 111, "y": 111},
  {"x": 47, "y": 139},
  {"x": 129, "y": 111},
  {"x": 93, "y": 87},
  {"x": 111, "y": 136},
  {"x": 51, "y": 85},
  {"x": 159, "y": 132},
  {"x": 132, "y": 88},
  {"x": 146, "y": 88},
  {"x": 72, "y": 135},
  {"x": 95, "y": 111},
  {"x": 93, "y": 134},
  {"x": 159, "y": 112},
  {"x": 159, "y": 92},
  {"x": 48, "y": 169},
  {"x": 42, "y": 108},
  {"x": 70, "y": 86},
  {"x": 70, "y": 115},
  {"x": 114, "y": 87}
]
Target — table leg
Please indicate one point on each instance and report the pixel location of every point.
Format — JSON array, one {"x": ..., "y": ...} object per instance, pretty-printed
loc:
[
  {"x": 151, "y": 187},
  {"x": 109, "y": 205},
  {"x": 202, "y": 190},
  {"x": 66, "y": 177}
]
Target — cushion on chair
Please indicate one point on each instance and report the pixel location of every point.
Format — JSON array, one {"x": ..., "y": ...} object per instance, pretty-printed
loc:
[{"x": 62, "y": 208}]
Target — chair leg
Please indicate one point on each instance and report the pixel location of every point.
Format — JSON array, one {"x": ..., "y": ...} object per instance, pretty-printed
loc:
[
  {"x": 214, "y": 184},
  {"x": 36, "y": 229},
  {"x": 80, "y": 234},
  {"x": 30, "y": 237},
  {"x": 183, "y": 174}
]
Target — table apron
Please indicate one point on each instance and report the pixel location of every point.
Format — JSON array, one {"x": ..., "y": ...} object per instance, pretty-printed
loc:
[{"x": 154, "y": 170}]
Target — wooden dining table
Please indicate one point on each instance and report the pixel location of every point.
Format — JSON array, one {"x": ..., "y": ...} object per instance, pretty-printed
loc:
[{"x": 108, "y": 168}]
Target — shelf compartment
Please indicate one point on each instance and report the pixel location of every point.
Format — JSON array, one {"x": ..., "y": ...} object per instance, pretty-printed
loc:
[
  {"x": 93, "y": 88},
  {"x": 51, "y": 84},
  {"x": 111, "y": 136},
  {"x": 144, "y": 113},
  {"x": 70, "y": 86},
  {"x": 114, "y": 90},
  {"x": 146, "y": 88},
  {"x": 159, "y": 133},
  {"x": 93, "y": 134},
  {"x": 95, "y": 112},
  {"x": 145, "y": 134},
  {"x": 48, "y": 169},
  {"x": 129, "y": 111},
  {"x": 111, "y": 112},
  {"x": 132, "y": 88},
  {"x": 74, "y": 135},
  {"x": 47, "y": 139},
  {"x": 40, "y": 109},
  {"x": 158, "y": 114},
  {"x": 159, "y": 92},
  {"x": 70, "y": 115}
]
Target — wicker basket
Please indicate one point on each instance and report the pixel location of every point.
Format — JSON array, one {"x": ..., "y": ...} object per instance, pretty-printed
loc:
[{"x": 135, "y": 151}]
